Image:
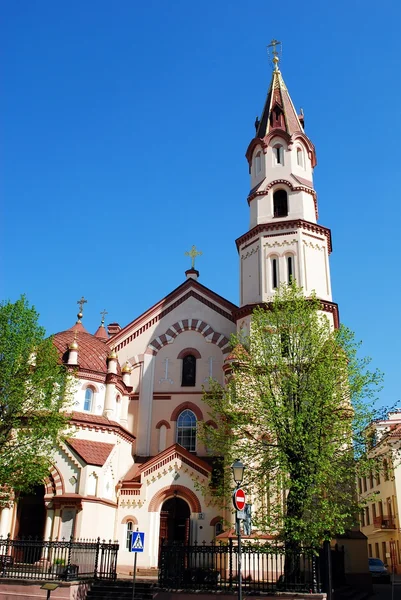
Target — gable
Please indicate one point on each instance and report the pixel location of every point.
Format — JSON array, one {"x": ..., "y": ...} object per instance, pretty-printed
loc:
[{"x": 191, "y": 307}]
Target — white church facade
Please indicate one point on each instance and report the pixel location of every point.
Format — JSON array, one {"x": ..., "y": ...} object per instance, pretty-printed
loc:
[{"x": 135, "y": 459}]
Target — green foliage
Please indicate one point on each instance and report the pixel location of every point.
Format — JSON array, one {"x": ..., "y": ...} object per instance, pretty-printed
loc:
[
  {"x": 33, "y": 390},
  {"x": 295, "y": 410}
]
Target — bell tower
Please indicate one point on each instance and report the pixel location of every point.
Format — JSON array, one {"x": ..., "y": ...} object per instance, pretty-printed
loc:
[{"x": 284, "y": 240}]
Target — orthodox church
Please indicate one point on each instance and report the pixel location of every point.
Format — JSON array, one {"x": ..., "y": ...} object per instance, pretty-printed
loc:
[{"x": 134, "y": 460}]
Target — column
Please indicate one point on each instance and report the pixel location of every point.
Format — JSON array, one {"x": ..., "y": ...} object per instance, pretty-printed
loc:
[
  {"x": 145, "y": 405},
  {"x": 5, "y": 521},
  {"x": 49, "y": 523}
]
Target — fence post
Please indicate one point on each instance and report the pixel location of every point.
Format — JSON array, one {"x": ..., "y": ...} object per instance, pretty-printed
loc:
[
  {"x": 230, "y": 562},
  {"x": 95, "y": 572},
  {"x": 68, "y": 569},
  {"x": 315, "y": 586}
]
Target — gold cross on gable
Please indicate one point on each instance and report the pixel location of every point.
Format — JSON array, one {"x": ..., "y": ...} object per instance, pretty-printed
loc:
[
  {"x": 81, "y": 303},
  {"x": 193, "y": 253},
  {"x": 103, "y": 313}
]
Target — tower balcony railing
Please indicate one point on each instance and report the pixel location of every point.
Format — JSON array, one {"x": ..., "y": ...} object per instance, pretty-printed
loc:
[{"x": 384, "y": 522}]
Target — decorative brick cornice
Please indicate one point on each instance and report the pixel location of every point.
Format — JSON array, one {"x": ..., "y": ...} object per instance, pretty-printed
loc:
[
  {"x": 170, "y": 492},
  {"x": 329, "y": 307},
  {"x": 280, "y": 225},
  {"x": 98, "y": 423},
  {"x": 198, "y": 325},
  {"x": 187, "y": 405},
  {"x": 157, "y": 311}
]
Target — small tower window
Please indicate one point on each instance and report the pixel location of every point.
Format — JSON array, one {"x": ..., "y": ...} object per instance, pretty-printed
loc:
[
  {"x": 188, "y": 370},
  {"x": 300, "y": 158},
  {"x": 88, "y": 399},
  {"x": 278, "y": 152},
  {"x": 280, "y": 203},
  {"x": 274, "y": 263},
  {"x": 186, "y": 430},
  {"x": 290, "y": 269},
  {"x": 258, "y": 163}
]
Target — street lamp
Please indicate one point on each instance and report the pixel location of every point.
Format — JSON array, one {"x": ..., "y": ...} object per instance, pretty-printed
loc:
[{"x": 238, "y": 469}]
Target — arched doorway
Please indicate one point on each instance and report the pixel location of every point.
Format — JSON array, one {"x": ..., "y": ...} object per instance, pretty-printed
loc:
[
  {"x": 31, "y": 513},
  {"x": 174, "y": 521}
]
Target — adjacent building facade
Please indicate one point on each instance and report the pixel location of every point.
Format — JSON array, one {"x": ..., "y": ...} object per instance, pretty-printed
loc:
[
  {"x": 134, "y": 459},
  {"x": 380, "y": 519}
]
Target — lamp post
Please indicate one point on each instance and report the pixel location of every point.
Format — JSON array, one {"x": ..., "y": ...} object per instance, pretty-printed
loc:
[{"x": 238, "y": 475}]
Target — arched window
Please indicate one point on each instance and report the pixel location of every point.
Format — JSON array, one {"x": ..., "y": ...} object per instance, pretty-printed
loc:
[
  {"x": 129, "y": 528},
  {"x": 274, "y": 268},
  {"x": 258, "y": 163},
  {"x": 280, "y": 203},
  {"x": 300, "y": 158},
  {"x": 290, "y": 268},
  {"x": 88, "y": 402},
  {"x": 278, "y": 153},
  {"x": 186, "y": 430},
  {"x": 188, "y": 370},
  {"x": 218, "y": 528}
]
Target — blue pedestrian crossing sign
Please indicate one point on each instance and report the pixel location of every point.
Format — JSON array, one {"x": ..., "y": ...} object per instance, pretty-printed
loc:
[{"x": 137, "y": 541}]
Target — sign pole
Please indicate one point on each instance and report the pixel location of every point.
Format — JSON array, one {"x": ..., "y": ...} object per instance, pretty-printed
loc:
[
  {"x": 134, "y": 575},
  {"x": 239, "y": 558},
  {"x": 137, "y": 545}
]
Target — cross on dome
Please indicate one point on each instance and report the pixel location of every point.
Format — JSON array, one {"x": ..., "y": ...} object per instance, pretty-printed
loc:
[{"x": 81, "y": 303}]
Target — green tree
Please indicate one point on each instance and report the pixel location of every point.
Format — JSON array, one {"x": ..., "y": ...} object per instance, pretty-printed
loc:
[
  {"x": 295, "y": 409},
  {"x": 33, "y": 391}
]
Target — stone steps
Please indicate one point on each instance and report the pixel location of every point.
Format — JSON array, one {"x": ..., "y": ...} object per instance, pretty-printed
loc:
[{"x": 121, "y": 589}]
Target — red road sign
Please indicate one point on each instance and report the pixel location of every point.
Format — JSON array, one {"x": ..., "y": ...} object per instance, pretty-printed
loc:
[{"x": 239, "y": 499}]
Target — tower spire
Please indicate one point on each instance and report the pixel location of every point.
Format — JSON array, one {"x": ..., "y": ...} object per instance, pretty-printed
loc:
[{"x": 279, "y": 111}]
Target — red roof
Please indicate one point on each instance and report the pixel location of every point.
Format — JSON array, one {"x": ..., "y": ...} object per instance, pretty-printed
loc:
[
  {"x": 101, "y": 333},
  {"x": 99, "y": 422},
  {"x": 93, "y": 453},
  {"x": 92, "y": 352}
]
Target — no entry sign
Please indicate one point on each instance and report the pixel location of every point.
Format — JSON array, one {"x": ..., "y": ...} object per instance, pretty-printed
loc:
[{"x": 239, "y": 499}]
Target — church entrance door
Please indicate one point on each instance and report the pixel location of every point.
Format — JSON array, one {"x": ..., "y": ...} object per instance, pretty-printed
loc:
[
  {"x": 30, "y": 522},
  {"x": 174, "y": 521},
  {"x": 31, "y": 513}
]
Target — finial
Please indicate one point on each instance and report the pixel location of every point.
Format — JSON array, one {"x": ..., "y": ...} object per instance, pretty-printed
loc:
[
  {"x": 74, "y": 343},
  {"x": 193, "y": 253},
  {"x": 81, "y": 304},
  {"x": 275, "y": 59},
  {"x": 112, "y": 354},
  {"x": 103, "y": 313}
]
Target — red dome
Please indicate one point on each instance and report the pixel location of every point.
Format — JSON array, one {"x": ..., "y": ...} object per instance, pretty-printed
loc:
[{"x": 92, "y": 352}]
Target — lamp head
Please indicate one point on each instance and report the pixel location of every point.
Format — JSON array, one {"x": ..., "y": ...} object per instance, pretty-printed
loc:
[{"x": 238, "y": 471}]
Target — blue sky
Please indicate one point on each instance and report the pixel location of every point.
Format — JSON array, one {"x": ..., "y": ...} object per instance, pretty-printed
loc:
[{"x": 123, "y": 132}]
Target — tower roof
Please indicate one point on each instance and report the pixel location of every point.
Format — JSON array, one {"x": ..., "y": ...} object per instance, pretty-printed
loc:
[{"x": 279, "y": 111}]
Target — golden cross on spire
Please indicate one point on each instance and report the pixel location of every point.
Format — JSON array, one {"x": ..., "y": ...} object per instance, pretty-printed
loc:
[
  {"x": 81, "y": 305},
  {"x": 103, "y": 313},
  {"x": 275, "y": 58},
  {"x": 193, "y": 253}
]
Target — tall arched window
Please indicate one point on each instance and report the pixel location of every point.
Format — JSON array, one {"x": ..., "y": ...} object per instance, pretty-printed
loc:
[
  {"x": 128, "y": 533},
  {"x": 300, "y": 157},
  {"x": 290, "y": 268},
  {"x": 274, "y": 269},
  {"x": 280, "y": 203},
  {"x": 186, "y": 430},
  {"x": 188, "y": 370},
  {"x": 88, "y": 402}
]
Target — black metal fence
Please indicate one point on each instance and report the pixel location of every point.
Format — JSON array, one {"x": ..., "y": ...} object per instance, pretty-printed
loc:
[
  {"x": 29, "y": 558},
  {"x": 266, "y": 567}
]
